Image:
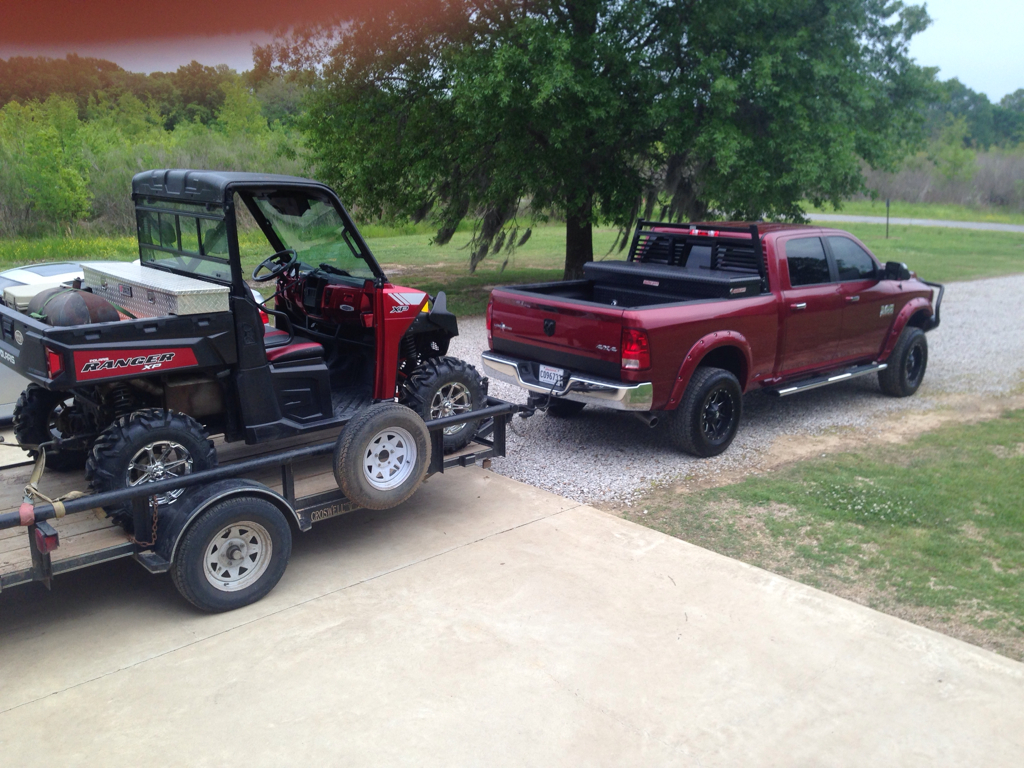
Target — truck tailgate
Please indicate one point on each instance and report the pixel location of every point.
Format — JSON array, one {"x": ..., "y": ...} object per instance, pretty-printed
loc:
[{"x": 582, "y": 336}]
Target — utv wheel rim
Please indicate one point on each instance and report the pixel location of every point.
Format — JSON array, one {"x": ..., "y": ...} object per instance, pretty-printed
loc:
[
  {"x": 915, "y": 362},
  {"x": 389, "y": 459},
  {"x": 237, "y": 556},
  {"x": 717, "y": 415},
  {"x": 452, "y": 399},
  {"x": 161, "y": 460}
]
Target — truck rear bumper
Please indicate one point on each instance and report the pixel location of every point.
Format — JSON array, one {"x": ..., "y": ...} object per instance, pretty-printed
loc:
[{"x": 579, "y": 387}]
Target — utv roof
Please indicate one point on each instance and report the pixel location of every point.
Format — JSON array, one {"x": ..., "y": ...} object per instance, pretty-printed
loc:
[{"x": 208, "y": 186}]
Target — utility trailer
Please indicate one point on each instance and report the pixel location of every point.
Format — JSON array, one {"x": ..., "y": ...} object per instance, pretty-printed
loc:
[{"x": 227, "y": 538}]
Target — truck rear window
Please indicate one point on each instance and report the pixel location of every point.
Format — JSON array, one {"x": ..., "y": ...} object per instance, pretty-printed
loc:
[{"x": 807, "y": 262}]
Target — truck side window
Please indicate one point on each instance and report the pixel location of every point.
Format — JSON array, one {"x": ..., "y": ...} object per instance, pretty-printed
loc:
[
  {"x": 852, "y": 261},
  {"x": 807, "y": 262}
]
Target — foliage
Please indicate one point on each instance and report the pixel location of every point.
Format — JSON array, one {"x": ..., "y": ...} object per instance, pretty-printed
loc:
[
  {"x": 953, "y": 160},
  {"x": 986, "y": 124},
  {"x": 598, "y": 109},
  {"x": 42, "y": 156},
  {"x": 57, "y": 170}
]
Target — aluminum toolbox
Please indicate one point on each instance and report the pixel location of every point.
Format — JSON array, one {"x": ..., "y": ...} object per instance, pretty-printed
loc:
[{"x": 150, "y": 292}]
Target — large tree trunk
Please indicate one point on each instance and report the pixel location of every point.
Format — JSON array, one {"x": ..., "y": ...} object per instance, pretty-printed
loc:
[{"x": 579, "y": 242}]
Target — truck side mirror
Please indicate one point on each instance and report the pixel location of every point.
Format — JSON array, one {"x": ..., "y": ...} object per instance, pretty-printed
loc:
[{"x": 896, "y": 270}]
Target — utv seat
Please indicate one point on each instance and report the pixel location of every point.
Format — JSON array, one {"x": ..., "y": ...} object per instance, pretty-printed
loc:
[
  {"x": 273, "y": 337},
  {"x": 297, "y": 350}
]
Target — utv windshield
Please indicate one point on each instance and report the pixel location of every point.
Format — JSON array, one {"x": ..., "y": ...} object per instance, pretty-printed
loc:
[
  {"x": 190, "y": 239},
  {"x": 313, "y": 228}
]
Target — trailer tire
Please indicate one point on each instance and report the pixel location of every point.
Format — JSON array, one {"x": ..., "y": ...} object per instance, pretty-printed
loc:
[
  {"x": 112, "y": 463},
  {"x": 232, "y": 554},
  {"x": 708, "y": 417},
  {"x": 382, "y": 456},
  {"x": 564, "y": 409},
  {"x": 907, "y": 364},
  {"x": 446, "y": 386},
  {"x": 37, "y": 415}
]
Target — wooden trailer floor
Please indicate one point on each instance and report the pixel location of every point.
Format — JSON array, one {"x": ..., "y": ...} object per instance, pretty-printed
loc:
[{"x": 92, "y": 531}]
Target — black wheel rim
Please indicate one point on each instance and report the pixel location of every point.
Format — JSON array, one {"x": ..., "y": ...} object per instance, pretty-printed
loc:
[
  {"x": 915, "y": 364},
  {"x": 716, "y": 417},
  {"x": 59, "y": 421}
]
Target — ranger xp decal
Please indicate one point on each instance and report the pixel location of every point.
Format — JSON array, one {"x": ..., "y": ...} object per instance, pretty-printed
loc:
[
  {"x": 98, "y": 365},
  {"x": 411, "y": 298}
]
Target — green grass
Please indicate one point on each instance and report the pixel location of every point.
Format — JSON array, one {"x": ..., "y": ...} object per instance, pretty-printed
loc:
[
  {"x": 944, "y": 255},
  {"x": 936, "y": 526},
  {"x": 410, "y": 259},
  {"x": 940, "y": 211}
]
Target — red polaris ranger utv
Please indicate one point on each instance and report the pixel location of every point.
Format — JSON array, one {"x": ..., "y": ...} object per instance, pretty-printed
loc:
[{"x": 134, "y": 367}]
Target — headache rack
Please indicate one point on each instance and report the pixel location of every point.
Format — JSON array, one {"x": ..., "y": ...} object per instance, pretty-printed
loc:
[{"x": 700, "y": 247}]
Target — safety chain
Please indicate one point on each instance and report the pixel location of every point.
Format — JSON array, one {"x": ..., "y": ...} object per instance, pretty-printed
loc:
[{"x": 134, "y": 540}]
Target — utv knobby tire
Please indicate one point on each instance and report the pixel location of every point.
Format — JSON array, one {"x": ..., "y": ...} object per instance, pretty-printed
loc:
[
  {"x": 713, "y": 398},
  {"x": 426, "y": 392},
  {"x": 371, "y": 479},
  {"x": 238, "y": 522},
  {"x": 112, "y": 453},
  {"x": 906, "y": 364},
  {"x": 564, "y": 409},
  {"x": 33, "y": 416}
]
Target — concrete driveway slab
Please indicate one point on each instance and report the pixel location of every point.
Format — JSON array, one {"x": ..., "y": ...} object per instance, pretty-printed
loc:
[{"x": 514, "y": 628}]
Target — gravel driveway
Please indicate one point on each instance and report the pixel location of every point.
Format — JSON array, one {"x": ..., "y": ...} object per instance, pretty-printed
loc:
[{"x": 604, "y": 455}]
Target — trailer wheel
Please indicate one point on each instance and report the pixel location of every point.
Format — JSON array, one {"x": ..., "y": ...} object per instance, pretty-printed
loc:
[
  {"x": 382, "y": 455},
  {"x": 907, "y": 364},
  {"x": 446, "y": 386},
  {"x": 708, "y": 417},
  {"x": 146, "y": 446},
  {"x": 40, "y": 416},
  {"x": 233, "y": 554}
]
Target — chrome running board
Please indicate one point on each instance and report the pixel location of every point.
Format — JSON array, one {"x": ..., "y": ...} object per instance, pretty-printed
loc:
[{"x": 824, "y": 381}]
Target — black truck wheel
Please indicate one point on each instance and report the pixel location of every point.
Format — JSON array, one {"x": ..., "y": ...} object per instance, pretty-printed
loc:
[
  {"x": 446, "y": 386},
  {"x": 907, "y": 364},
  {"x": 564, "y": 409},
  {"x": 233, "y": 554},
  {"x": 41, "y": 416},
  {"x": 382, "y": 456},
  {"x": 146, "y": 446},
  {"x": 706, "y": 420}
]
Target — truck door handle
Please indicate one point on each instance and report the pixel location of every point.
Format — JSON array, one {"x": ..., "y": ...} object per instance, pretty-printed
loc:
[
  {"x": 801, "y": 305},
  {"x": 852, "y": 299}
]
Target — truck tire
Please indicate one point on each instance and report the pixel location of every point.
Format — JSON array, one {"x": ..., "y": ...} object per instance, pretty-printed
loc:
[
  {"x": 233, "y": 554},
  {"x": 446, "y": 386},
  {"x": 145, "y": 446},
  {"x": 41, "y": 415},
  {"x": 564, "y": 409},
  {"x": 907, "y": 364},
  {"x": 382, "y": 455},
  {"x": 708, "y": 417}
]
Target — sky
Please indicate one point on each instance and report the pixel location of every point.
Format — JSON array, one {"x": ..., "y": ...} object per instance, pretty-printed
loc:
[{"x": 979, "y": 42}]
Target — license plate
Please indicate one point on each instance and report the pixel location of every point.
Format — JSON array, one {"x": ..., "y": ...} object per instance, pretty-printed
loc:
[{"x": 549, "y": 375}]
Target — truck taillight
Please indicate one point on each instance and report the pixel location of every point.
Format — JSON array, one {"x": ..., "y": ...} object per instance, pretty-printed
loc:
[
  {"x": 636, "y": 350},
  {"x": 54, "y": 363},
  {"x": 490, "y": 309},
  {"x": 264, "y": 317},
  {"x": 47, "y": 539}
]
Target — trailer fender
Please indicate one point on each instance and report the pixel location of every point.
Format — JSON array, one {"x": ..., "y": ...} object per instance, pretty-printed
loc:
[
  {"x": 742, "y": 360},
  {"x": 912, "y": 307},
  {"x": 175, "y": 520}
]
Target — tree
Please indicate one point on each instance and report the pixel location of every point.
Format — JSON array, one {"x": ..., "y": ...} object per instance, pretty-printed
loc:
[{"x": 602, "y": 109}]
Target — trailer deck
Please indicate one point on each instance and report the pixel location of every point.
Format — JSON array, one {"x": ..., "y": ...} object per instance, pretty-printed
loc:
[{"x": 88, "y": 536}]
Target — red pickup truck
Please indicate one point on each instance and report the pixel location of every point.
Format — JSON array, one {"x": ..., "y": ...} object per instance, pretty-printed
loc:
[{"x": 699, "y": 314}]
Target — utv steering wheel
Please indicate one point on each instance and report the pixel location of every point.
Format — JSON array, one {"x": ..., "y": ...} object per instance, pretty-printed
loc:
[{"x": 277, "y": 265}]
